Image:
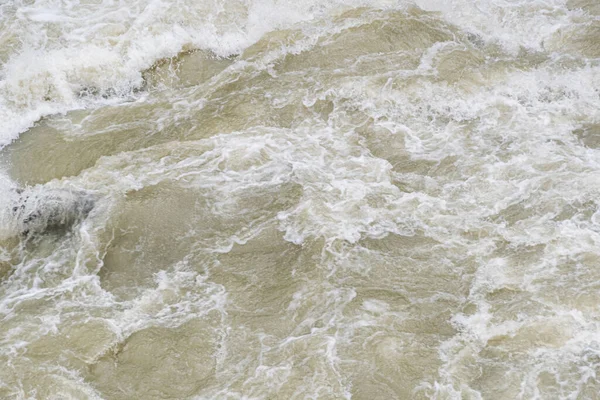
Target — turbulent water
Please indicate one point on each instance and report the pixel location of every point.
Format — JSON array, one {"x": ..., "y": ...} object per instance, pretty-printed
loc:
[{"x": 279, "y": 199}]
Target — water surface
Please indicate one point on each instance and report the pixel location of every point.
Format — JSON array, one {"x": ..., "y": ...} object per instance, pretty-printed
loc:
[{"x": 326, "y": 200}]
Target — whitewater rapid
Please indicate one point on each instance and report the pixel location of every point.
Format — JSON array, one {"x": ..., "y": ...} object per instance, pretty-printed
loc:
[{"x": 289, "y": 200}]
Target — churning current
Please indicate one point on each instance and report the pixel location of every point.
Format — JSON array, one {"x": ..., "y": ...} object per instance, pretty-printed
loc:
[{"x": 299, "y": 199}]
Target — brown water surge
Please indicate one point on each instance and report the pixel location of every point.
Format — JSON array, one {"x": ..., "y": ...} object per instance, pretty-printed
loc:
[{"x": 370, "y": 209}]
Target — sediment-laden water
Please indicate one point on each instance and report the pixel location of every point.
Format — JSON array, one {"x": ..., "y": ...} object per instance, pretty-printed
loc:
[{"x": 263, "y": 199}]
